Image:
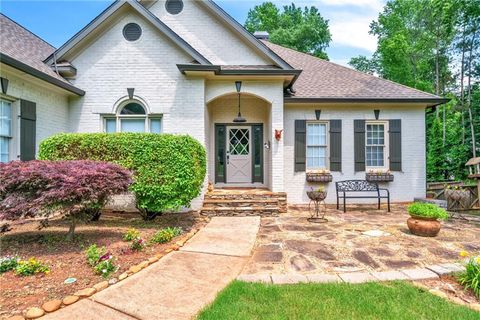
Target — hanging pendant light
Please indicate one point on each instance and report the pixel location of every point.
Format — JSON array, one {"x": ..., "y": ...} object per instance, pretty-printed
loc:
[{"x": 239, "y": 118}]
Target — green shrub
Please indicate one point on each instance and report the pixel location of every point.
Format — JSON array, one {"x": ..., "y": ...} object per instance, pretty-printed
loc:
[
  {"x": 470, "y": 278},
  {"x": 169, "y": 170},
  {"x": 30, "y": 267},
  {"x": 8, "y": 263},
  {"x": 166, "y": 235},
  {"x": 131, "y": 235},
  {"x": 427, "y": 210}
]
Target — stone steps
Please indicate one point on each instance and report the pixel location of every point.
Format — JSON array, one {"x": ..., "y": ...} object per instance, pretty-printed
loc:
[{"x": 244, "y": 203}]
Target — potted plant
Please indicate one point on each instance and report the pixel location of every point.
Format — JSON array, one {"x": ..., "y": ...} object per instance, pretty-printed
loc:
[
  {"x": 318, "y": 194},
  {"x": 424, "y": 219}
]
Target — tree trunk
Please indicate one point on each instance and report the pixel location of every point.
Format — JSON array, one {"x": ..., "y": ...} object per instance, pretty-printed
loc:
[
  {"x": 472, "y": 127},
  {"x": 71, "y": 231},
  {"x": 462, "y": 88}
]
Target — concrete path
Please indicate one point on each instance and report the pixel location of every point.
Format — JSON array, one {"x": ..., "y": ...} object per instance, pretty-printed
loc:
[{"x": 181, "y": 283}]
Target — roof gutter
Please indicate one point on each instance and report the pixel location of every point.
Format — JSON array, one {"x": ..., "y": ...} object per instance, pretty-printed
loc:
[
  {"x": 217, "y": 70},
  {"x": 38, "y": 74},
  {"x": 433, "y": 102}
]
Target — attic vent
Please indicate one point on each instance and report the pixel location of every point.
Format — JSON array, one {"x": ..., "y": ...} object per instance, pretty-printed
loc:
[
  {"x": 132, "y": 32},
  {"x": 174, "y": 6}
]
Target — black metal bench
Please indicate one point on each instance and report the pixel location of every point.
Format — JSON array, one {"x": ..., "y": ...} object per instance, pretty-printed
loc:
[{"x": 348, "y": 186}]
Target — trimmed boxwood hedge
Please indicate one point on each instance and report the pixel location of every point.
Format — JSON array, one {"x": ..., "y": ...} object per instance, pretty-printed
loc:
[{"x": 169, "y": 170}]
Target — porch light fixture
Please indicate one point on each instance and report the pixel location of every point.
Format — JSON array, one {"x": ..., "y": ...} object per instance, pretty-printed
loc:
[{"x": 239, "y": 118}]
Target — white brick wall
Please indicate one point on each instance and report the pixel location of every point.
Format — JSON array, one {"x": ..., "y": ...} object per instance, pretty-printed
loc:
[
  {"x": 212, "y": 38},
  {"x": 408, "y": 184},
  {"x": 52, "y": 106}
]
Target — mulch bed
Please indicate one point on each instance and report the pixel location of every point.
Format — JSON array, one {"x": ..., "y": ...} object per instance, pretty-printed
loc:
[
  {"x": 452, "y": 289},
  {"x": 67, "y": 259}
]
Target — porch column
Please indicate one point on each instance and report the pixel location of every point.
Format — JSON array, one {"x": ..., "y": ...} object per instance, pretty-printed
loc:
[{"x": 277, "y": 161}]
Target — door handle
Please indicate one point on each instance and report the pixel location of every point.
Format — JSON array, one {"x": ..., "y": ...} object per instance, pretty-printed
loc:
[{"x": 228, "y": 159}]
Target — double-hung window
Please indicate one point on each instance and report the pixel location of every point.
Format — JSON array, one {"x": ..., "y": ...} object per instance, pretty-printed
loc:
[
  {"x": 317, "y": 145},
  {"x": 375, "y": 153},
  {"x": 5, "y": 130},
  {"x": 132, "y": 117}
]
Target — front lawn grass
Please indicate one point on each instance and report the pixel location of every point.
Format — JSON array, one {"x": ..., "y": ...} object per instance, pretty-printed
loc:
[{"x": 393, "y": 300}]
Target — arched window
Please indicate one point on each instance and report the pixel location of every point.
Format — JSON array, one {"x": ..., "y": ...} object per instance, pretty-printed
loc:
[{"x": 132, "y": 116}]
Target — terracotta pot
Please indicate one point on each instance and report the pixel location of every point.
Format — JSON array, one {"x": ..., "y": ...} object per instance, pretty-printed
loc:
[{"x": 424, "y": 227}]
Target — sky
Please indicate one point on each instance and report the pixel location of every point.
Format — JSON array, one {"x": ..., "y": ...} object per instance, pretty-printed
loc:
[{"x": 349, "y": 20}]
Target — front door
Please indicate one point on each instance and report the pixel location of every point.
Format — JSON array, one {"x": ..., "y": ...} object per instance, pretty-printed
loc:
[{"x": 239, "y": 154}]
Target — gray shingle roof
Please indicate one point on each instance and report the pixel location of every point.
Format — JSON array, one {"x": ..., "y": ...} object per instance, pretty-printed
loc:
[
  {"x": 24, "y": 46},
  {"x": 321, "y": 79}
]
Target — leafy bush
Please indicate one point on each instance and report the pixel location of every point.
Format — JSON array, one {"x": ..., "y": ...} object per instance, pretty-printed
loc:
[
  {"x": 169, "y": 170},
  {"x": 131, "y": 235},
  {"x": 137, "y": 244},
  {"x": 470, "y": 278},
  {"x": 30, "y": 267},
  {"x": 427, "y": 210},
  {"x": 101, "y": 261},
  {"x": 166, "y": 235},
  {"x": 8, "y": 263},
  {"x": 72, "y": 188}
]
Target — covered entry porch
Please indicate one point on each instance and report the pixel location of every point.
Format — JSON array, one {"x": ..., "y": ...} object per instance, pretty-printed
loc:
[{"x": 240, "y": 138}]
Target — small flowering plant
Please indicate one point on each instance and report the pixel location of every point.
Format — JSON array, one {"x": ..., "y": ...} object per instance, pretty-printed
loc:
[
  {"x": 30, "y": 267},
  {"x": 131, "y": 235},
  {"x": 137, "y": 244},
  {"x": 105, "y": 265},
  {"x": 8, "y": 263},
  {"x": 470, "y": 278}
]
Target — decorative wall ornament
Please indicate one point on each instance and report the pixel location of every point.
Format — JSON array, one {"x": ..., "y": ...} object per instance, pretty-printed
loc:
[
  {"x": 317, "y": 114},
  {"x": 278, "y": 134},
  {"x": 4, "y": 82},
  {"x": 377, "y": 114},
  {"x": 130, "y": 91}
]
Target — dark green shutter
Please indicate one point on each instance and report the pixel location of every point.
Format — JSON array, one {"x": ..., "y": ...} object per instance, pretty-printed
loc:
[
  {"x": 28, "y": 118},
  {"x": 359, "y": 144},
  {"x": 220, "y": 153},
  {"x": 395, "y": 133},
  {"x": 335, "y": 145},
  {"x": 257, "y": 163},
  {"x": 300, "y": 147}
]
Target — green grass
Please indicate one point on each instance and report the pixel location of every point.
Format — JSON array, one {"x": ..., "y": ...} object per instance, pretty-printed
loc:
[{"x": 395, "y": 300}]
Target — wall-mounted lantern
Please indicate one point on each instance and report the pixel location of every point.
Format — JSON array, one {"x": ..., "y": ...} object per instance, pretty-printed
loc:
[{"x": 317, "y": 114}]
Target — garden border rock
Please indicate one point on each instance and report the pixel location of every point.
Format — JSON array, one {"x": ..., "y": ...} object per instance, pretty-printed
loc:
[{"x": 87, "y": 292}]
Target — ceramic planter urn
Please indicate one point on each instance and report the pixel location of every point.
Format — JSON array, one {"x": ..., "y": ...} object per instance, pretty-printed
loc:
[{"x": 424, "y": 227}]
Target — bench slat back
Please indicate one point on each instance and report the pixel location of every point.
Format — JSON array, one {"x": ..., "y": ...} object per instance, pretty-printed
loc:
[{"x": 356, "y": 185}]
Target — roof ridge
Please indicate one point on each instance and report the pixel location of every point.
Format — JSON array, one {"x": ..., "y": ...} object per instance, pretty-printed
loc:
[
  {"x": 354, "y": 70},
  {"x": 29, "y": 31}
]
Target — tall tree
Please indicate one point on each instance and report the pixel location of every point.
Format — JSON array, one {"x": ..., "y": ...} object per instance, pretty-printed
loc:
[{"x": 304, "y": 30}]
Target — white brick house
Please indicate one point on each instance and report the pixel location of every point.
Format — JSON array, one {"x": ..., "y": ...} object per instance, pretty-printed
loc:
[{"x": 177, "y": 67}]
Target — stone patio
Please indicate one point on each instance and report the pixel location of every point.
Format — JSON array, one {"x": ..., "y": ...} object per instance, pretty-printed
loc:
[{"x": 361, "y": 240}]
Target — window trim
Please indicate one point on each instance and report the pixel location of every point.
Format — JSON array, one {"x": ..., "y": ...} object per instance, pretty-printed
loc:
[
  {"x": 118, "y": 117},
  {"x": 386, "y": 146},
  {"x": 327, "y": 144},
  {"x": 10, "y": 138}
]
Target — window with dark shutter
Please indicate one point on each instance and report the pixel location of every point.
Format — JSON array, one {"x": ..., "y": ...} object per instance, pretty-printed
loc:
[
  {"x": 359, "y": 144},
  {"x": 28, "y": 118},
  {"x": 300, "y": 147},
  {"x": 335, "y": 145},
  {"x": 395, "y": 140}
]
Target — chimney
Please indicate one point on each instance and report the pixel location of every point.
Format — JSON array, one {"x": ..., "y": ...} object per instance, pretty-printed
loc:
[{"x": 261, "y": 35}]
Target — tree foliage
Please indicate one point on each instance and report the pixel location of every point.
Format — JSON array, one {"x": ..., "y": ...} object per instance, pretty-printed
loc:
[
  {"x": 433, "y": 45},
  {"x": 73, "y": 188},
  {"x": 300, "y": 29}
]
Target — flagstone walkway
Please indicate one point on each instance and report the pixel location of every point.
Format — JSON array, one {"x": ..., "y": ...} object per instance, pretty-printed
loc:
[{"x": 181, "y": 283}]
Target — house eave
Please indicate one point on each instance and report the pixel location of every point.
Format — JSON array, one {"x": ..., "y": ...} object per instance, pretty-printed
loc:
[
  {"x": 38, "y": 74},
  {"x": 433, "y": 102}
]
